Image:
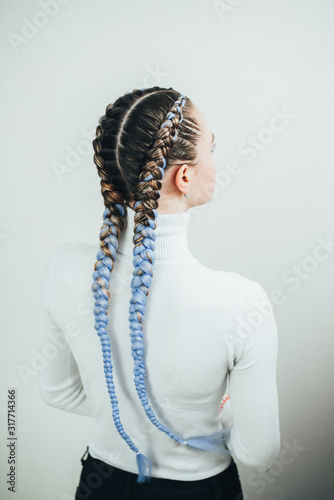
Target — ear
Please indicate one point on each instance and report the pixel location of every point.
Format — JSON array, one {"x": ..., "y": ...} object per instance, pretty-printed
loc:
[{"x": 182, "y": 178}]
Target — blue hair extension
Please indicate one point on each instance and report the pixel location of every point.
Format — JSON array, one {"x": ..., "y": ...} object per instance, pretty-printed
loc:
[
  {"x": 143, "y": 261},
  {"x": 101, "y": 276}
]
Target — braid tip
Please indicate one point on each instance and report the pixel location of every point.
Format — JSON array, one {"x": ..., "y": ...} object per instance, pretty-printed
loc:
[
  {"x": 215, "y": 442},
  {"x": 142, "y": 462}
]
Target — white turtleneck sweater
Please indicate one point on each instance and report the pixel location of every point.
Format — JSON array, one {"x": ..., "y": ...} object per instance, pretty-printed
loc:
[{"x": 208, "y": 335}]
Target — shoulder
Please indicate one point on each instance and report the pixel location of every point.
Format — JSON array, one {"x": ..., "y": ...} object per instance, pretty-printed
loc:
[
  {"x": 237, "y": 285},
  {"x": 247, "y": 291},
  {"x": 71, "y": 260},
  {"x": 251, "y": 298},
  {"x": 251, "y": 293},
  {"x": 65, "y": 250},
  {"x": 72, "y": 252}
]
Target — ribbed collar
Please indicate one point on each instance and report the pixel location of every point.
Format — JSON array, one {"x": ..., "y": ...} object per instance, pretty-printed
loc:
[{"x": 171, "y": 235}]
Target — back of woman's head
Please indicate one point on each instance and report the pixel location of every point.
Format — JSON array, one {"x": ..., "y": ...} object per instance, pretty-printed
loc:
[
  {"x": 131, "y": 142},
  {"x": 141, "y": 135}
]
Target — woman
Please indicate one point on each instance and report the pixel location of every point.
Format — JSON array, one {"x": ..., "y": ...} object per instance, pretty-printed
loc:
[{"x": 171, "y": 335}]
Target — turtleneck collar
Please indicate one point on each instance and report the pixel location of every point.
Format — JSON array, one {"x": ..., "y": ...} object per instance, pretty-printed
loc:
[{"x": 171, "y": 235}]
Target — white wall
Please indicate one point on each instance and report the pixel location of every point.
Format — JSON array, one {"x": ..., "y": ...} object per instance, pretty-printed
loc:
[{"x": 241, "y": 62}]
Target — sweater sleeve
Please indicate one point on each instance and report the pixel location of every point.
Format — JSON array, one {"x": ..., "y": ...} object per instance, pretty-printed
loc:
[
  {"x": 253, "y": 405},
  {"x": 59, "y": 378}
]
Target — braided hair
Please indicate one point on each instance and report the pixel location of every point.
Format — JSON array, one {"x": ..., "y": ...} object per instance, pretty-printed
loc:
[{"x": 134, "y": 139}]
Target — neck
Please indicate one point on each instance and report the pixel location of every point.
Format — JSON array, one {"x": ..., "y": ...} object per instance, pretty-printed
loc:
[{"x": 171, "y": 235}]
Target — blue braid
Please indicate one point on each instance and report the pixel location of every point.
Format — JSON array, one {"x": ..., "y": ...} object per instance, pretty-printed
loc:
[
  {"x": 104, "y": 266},
  {"x": 143, "y": 264}
]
